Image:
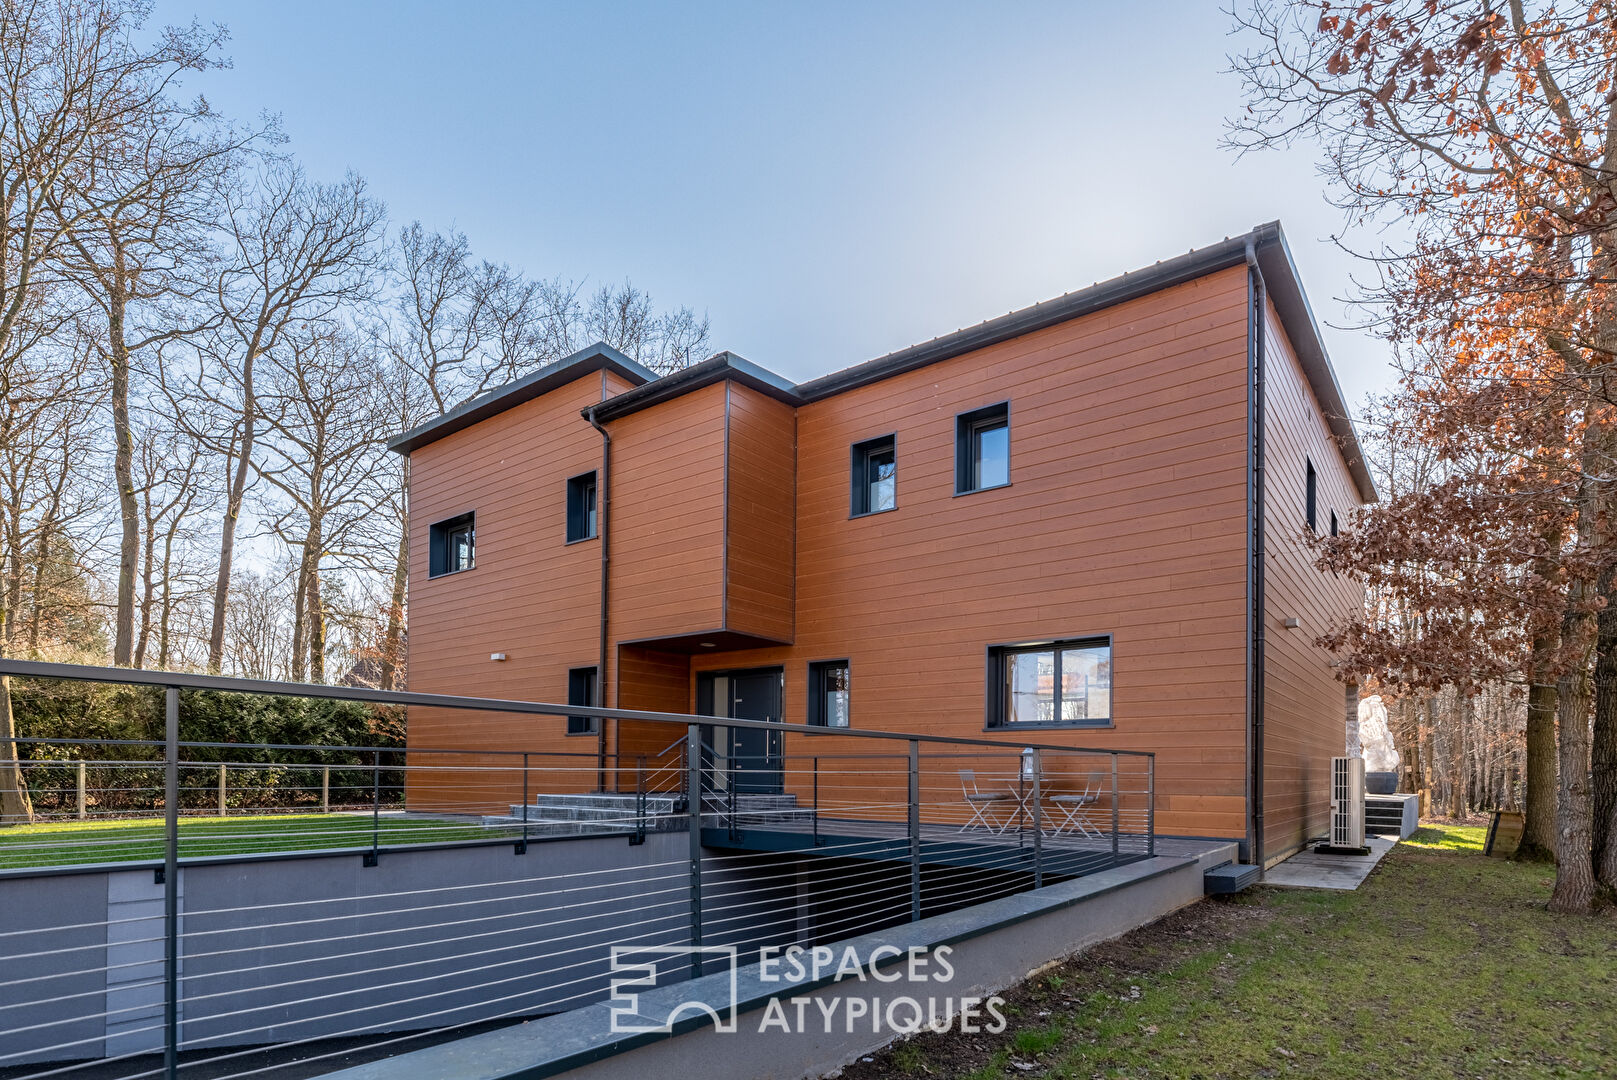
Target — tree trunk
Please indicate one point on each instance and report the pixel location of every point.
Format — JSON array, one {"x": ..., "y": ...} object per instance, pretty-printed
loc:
[
  {"x": 123, "y": 646},
  {"x": 1603, "y": 750},
  {"x": 1538, "y": 777},
  {"x": 317, "y": 627},
  {"x": 300, "y": 617},
  {"x": 15, "y": 806},
  {"x": 314, "y": 607},
  {"x": 147, "y": 585},
  {"x": 227, "y": 531},
  {"x": 393, "y": 639},
  {"x": 1574, "y": 865}
]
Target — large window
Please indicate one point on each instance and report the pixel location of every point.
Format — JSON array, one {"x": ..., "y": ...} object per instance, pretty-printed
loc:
[
  {"x": 581, "y": 507},
  {"x": 982, "y": 456},
  {"x": 452, "y": 545},
  {"x": 875, "y": 476},
  {"x": 1051, "y": 684},
  {"x": 581, "y": 691},
  {"x": 828, "y": 688}
]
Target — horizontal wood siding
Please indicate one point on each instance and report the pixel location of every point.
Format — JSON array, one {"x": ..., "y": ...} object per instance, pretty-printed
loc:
[
  {"x": 530, "y": 595},
  {"x": 1303, "y": 701},
  {"x": 651, "y": 681},
  {"x": 760, "y": 515},
  {"x": 1125, "y": 516},
  {"x": 667, "y": 517}
]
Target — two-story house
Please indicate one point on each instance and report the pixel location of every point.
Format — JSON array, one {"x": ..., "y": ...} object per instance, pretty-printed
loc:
[{"x": 1081, "y": 522}]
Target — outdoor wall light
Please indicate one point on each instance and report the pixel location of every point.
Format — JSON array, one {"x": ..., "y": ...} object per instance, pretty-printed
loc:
[
  {"x": 706, "y": 644},
  {"x": 496, "y": 656},
  {"x": 1291, "y": 623}
]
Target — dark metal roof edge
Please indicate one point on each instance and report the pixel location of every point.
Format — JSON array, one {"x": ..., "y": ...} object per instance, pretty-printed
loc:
[
  {"x": 585, "y": 361},
  {"x": 1129, "y": 286},
  {"x": 719, "y": 366},
  {"x": 1285, "y": 288}
]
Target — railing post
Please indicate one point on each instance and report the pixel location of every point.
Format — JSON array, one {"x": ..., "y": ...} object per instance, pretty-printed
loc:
[
  {"x": 816, "y": 813},
  {"x": 171, "y": 883},
  {"x": 693, "y": 781},
  {"x": 639, "y": 836},
  {"x": 1038, "y": 823},
  {"x": 376, "y": 809},
  {"x": 730, "y": 773},
  {"x": 325, "y": 789},
  {"x": 522, "y": 847},
  {"x": 83, "y": 804},
  {"x": 221, "y": 789},
  {"x": 915, "y": 830},
  {"x": 1151, "y": 804},
  {"x": 1114, "y": 806}
]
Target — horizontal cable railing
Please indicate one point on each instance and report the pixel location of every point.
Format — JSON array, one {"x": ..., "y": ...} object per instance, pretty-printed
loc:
[{"x": 181, "y": 907}]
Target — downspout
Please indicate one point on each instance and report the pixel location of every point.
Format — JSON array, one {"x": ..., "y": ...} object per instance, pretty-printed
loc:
[
  {"x": 1257, "y": 318},
  {"x": 602, "y": 499}
]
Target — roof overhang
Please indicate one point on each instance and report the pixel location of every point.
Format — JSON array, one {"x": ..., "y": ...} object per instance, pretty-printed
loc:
[
  {"x": 716, "y": 368},
  {"x": 597, "y": 357}
]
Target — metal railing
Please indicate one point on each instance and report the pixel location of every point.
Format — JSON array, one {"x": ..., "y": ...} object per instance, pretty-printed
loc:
[{"x": 818, "y": 836}]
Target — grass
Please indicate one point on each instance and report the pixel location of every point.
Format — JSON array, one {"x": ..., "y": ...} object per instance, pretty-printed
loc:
[
  {"x": 1443, "y": 964},
  {"x": 70, "y": 843}
]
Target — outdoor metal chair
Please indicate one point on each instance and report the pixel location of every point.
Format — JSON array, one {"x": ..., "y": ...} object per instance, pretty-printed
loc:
[
  {"x": 982, "y": 803},
  {"x": 1073, "y": 809}
]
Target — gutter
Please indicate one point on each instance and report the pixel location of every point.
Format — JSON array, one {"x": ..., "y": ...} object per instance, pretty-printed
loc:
[
  {"x": 1256, "y": 549},
  {"x": 603, "y": 497}
]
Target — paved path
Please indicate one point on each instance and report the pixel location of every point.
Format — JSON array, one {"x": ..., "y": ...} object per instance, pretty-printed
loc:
[{"x": 1307, "y": 870}]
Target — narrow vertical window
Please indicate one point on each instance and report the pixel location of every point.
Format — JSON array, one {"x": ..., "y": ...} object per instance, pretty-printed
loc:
[
  {"x": 875, "y": 476},
  {"x": 452, "y": 545},
  {"x": 581, "y": 684},
  {"x": 829, "y": 693},
  {"x": 1334, "y": 529},
  {"x": 1312, "y": 498},
  {"x": 983, "y": 448},
  {"x": 581, "y": 508}
]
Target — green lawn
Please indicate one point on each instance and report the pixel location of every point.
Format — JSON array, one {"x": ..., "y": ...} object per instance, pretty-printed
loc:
[
  {"x": 1443, "y": 964},
  {"x": 23, "y": 846}
]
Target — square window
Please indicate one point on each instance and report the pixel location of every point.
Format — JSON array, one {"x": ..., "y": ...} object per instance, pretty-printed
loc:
[
  {"x": 983, "y": 448},
  {"x": 581, "y": 508},
  {"x": 875, "y": 476},
  {"x": 581, "y": 691},
  {"x": 1051, "y": 684},
  {"x": 829, "y": 693},
  {"x": 452, "y": 545}
]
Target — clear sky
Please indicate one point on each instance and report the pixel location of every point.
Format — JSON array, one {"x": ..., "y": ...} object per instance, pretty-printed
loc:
[{"x": 828, "y": 181}]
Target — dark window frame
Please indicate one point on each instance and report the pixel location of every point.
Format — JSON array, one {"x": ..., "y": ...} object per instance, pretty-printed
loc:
[
  {"x": 816, "y": 713},
  {"x": 438, "y": 544},
  {"x": 968, "y": 428},
  {"x": 583, "y": 682},
  {"x": 859, "y": 476},
  {"x": 997, "y": 685},
  {"x": 1311, "y": 496},
  {"x": 583, "y": 514}
]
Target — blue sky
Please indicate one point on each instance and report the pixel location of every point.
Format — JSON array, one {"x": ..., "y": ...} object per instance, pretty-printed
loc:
[{"x": 827, "y": 181}]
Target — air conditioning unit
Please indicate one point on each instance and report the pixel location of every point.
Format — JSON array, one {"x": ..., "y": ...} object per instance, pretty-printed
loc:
[{"x": 1347, "y": 804}]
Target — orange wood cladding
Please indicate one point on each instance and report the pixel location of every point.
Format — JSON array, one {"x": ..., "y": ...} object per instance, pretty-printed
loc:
[{"x": 1126, "y": 516}]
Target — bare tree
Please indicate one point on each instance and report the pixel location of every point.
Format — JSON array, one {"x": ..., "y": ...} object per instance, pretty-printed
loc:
[
  {"x": 133, "y": 213},
  {"x": 170, "y": 486},
  {"x": 299, "y": 251}
]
